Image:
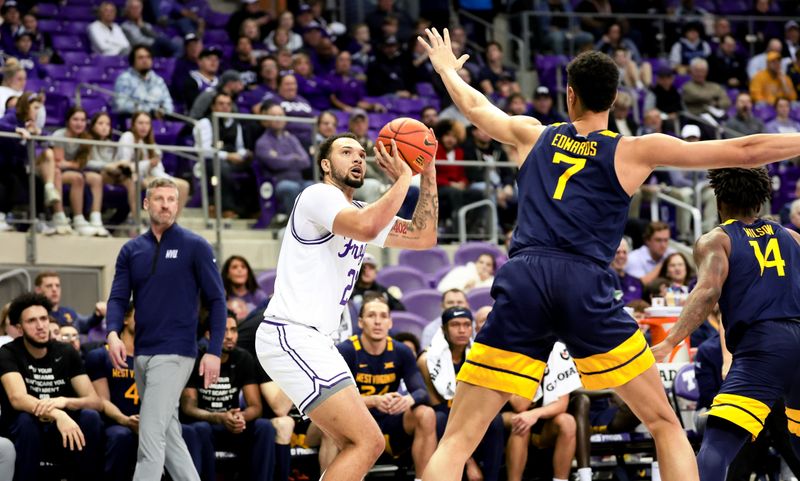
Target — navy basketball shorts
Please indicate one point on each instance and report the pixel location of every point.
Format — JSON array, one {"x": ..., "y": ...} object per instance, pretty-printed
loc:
[
  {"x": 397, "y": 440},
  {"x": 544, "y": 296},
  {"x": 765, "y": 368}
]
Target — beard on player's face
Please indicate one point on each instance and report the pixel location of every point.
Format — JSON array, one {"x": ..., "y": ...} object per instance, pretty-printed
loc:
[
  {"x": 33, "y": 342},
  {"x": 345, "y": 176}
]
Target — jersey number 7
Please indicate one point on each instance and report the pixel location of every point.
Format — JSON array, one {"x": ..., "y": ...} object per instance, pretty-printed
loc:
[
  {"x": 773, "y": 251},
  {"x": 577, "y": 166}
]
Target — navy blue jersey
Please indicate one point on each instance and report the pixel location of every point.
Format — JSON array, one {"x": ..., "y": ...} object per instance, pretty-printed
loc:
[
  {"x": 569, "y": 196},
  {"x": 381, "y": 374},
  {"x": 763, "y": 277},
  {"x": 121, "y": 382}
]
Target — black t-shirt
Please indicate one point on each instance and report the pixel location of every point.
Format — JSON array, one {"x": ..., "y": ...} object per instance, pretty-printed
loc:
[
  {"x": 237, "y": 372},
  {"x": 45, "y": 378}
]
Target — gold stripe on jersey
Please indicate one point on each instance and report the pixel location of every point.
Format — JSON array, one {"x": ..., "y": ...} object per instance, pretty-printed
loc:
[
  {"x": 356, "y": 342},
  {"x": 793, "y": 418},
  {"x": 747, "y": 413},
  {"x": 502, "y": 370},
  {"x": 609, "y": 133},
  {"x": 617, "y": 366}
]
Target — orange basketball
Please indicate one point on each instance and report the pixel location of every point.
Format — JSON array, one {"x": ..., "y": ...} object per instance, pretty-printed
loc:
[{"x": 415, "y": 142}]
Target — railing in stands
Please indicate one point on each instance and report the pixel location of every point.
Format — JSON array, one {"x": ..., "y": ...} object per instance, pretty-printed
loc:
[
  {"x": 493, "y": 225},
  {"x": 14, "y": 273},
  {"x": 697, "y": 225},
  {"x": 522, "y": 58}
]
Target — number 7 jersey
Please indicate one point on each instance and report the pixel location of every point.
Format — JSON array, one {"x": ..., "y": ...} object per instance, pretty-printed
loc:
[
  {"x": 570, "y": 198},
  {"x": 317, "y": 269},
  {"x": 763, "y": 277}
]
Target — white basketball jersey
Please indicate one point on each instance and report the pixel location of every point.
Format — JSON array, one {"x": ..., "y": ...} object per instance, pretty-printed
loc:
[{"x": 317, "y": 270}]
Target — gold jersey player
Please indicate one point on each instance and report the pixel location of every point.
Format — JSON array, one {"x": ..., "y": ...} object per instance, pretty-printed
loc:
[{"x": 575, "y": 183}]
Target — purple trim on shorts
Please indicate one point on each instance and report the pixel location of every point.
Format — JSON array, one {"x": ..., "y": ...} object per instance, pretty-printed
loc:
[
  {"x": 319, "y": 390},
  {"x": 272, "y": 323},
  {"x": 294, "y": 355},
  {"x": 299, "y": 239}
]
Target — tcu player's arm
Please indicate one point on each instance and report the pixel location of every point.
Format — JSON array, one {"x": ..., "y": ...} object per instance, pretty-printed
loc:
[
  {"x": 638, "y": 156},
  {"x": 520, "y": 131},
  {"x": 421, "y": 231},
  {"x": 711, "y": 256}
]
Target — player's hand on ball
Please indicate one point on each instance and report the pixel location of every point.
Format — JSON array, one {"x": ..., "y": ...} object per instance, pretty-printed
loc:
[
  {"x": 390, "y": 162},
  {"x": 440, "y": 51},
  {"x": 430, "y": 167}
]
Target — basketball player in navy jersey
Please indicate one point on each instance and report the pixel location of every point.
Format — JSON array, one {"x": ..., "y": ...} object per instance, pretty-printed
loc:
[
  {"x": 752, "y": 268},
  {"x": 575, "y": 184}
]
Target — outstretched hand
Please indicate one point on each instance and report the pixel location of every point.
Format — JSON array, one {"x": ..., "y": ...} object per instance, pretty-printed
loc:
[{"x": 440, "y": 51}]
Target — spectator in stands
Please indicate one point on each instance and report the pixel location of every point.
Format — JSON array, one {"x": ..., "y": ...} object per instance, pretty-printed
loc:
[
  {"x": 69, "y": 335},
  {"x": 53, "y": 330},
  {"x": 722, "y": 27},
  {"x": 744, "y": 122},
  {"x": 34, "y": 369},
  {"x": 677, "y": 269},
  {"x": 140, "y": 88},
  {"x": 782, "y": 123},
  {"x": 784, "y": 212},
  {"x": 450, "y": 346},
  {"x": 470, "y": 276},
  {"x": 140, "y": 32},
  {"x": 543, "y": 107},
  {"x": 494, "y": 69},
  {"x": 772, "y": 84},
  {"x": 48, "y": 283},
  {"x": 652, "y": 123},
  {"x": 429, "y": 116},
  {"x": 192, "y": 46},
  {"x": 499, "y": 182},
  {"x": 72, "y": 159},
  {"x": 233, "y": 155},
  {"x": 727, "y": 66},
  {"x": 249, "y": 10},
  {"x": 230, "y": 83},
  {"x": 240, "y": 282},
  {"x": 205, "y": 77},
  {"x": 613, "y": 40},
  {"x": 188, "y": 16},
  {"x": 384, "y": 8},
  {"x": 294, "y": 105},
  {"x": 451, "y": 298},
  {"x": 8, "y": 333},
  {"x": 689, "y": 47},
  {"x": 758, "y": 62},
  {"x": 645, "y": 262},
  {"x": 794, "y": 215},
  {"x": 267, "y": 78},
  {"x": 452, "y": 179},
  {"x": 245, "y": 60},
  {"x": 293, "y": 42},
  {"x": 631, "y": 74},
  {"x": 764, "y": 29},
  {"x": 700, "y": 95},
  {"x": 668, "y": 99},
  {"x": 148, "y": 159},
  {"x": 545, "y": 422},
  {"x": 367, "y": 285},
  {"x": 215, "y": 413},
  {"x": 410, "y": 340},
  {"x": 630, "y": 286},
  {"x": 284, "y": 59},
  {"x": 390, "y": 71},
  {"x": 313, "y": 88},
  {"x": 327, "y": 125},
  {"x": 282, "y": 158},
  {"x": 23, "y": 43},
  {"x": 360, "y": 46},
  {"x": 11, "y": 26},
  {"x": 42, "y": 46},
  {"x": 620, "y": 119},
  {"x": 595, "y": 24},
  {"x": 347, "y": 90},
  {"x": 792, "y": 37},
  {"x": 378, "y": 364},
  {"x": 102, "y": 159},
  {"x": 105, "y": 34}
]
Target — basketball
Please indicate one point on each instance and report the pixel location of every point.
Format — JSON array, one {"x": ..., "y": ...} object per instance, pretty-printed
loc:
[{"x": 415, "y": 142}]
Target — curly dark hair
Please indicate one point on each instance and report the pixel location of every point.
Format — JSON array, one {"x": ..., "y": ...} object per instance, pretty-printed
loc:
[
  {"x": 24, "y": 301},
  {"x": 250, "y": 284},
  {"x": 594, "y": 77},
  {"x": 743, "y": 191}
]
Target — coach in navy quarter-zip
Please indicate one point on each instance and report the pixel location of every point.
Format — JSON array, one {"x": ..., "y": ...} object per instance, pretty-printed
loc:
[{"x": 165, "y": 269}]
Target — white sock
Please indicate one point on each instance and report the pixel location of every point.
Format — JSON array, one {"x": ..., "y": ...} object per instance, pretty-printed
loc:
[
  {"x": 585, "y": 474},
  {"x": 96, "y": 217},
  {"x": 60, "y": 217},
  {"x": 559, "y": 479},
  {"x": 417, "y": 479},
  {"x": 655, "y": 474},
  {"x": 78, "y": 218},
  {"x": 49, "y": 185}
]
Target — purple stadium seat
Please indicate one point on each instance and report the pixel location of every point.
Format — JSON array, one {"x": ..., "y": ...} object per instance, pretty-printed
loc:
[
  {"x": 216, "y": 37},
  {"x": 93, "y": 105},
  {"x": 729, "y": 7},
  {"x": 437, "y": 276},
  {"x": 216, "y": 19},
  {"x": 763, "y": 111},
  {"x": 74, "y": 28},
  {"x": 685, "y": 384},
  {"x": 407, "y": 279},
  {"x": 76, "y": 58},
  {"x": 36, "y": 84},
  {"x": 680, "y": 79},
  {"x": 479, "y": 297},
  {"x": 70, "y": 43},
  {"x": 470, "y": 251},
  {"x": 110, "y": 61},
  {"x": 83, "y": 13},
  {"x": 342, "y": 118},
  {"x": 425, "y": 89},
  {"x": 48, "y": 26},
  {"x": 249, "y": 98},
  {"x": 407, "y": 106},
  {"x": 266, "y": 281},
  {"x": 427, "y": 261},
  {"x": 403, "y": 321},
  {"x": 425, "y": 303},
  {"x": 90, "y": 74},
  {"x": 46, "y": 10},
  {"x": 167, "y": 132},
  {"x": 57, "y": 106},
  {"x": 58, "y": 72},
  {"x": 378, "y": 120},
  {"x": 547, "y": 66}
]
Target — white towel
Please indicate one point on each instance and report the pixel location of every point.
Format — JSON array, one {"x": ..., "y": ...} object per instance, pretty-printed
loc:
[{"x": 440, "y": 366}]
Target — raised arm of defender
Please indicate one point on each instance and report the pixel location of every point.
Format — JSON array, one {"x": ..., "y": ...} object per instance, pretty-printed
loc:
[{"x": 521, "y": 131}]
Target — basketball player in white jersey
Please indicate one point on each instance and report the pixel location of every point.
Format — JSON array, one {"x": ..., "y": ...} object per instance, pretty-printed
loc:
[{"x": 318, "y": 266}]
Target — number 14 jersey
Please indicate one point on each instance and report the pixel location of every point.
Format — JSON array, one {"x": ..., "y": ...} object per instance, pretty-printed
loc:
[
  {"x": 317, "y": 269},
  {"x": 763, "y": 277},
  {"x": 569, "y": 196}
]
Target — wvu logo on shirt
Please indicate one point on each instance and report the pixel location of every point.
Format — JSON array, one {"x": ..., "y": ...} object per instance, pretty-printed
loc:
[
  {"x": 388, "y": 365},
  {"x": 171, "y": 254}
]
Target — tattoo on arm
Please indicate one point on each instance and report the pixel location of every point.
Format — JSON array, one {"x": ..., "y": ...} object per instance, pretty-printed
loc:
[{"x": 426, "y": 214}]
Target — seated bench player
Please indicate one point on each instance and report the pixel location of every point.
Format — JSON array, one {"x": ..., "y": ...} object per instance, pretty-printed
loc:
[
  {"x": 117, "y": 389},
  {"x": 219, "y": 421},
  {"x": 49, "y": 406},
  {"x": 378, "y": 364},
  {"x": 439, "y": 365},
  {"x": 545, "y": 422}
]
